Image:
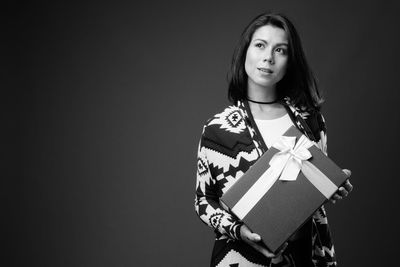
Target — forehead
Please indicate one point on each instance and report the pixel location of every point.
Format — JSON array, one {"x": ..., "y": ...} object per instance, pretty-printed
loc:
[{"x": 270, "y": 34}]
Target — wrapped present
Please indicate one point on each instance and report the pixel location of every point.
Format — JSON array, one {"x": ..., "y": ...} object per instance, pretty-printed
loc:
[{"x": 286, "y": 185}]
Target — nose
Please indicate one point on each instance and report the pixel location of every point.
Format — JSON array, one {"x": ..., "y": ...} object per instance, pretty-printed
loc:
[{"x": 268, "y": 56}]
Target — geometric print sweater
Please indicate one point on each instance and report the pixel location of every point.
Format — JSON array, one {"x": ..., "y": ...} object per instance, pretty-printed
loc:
[{"x": 230, "y": 143}]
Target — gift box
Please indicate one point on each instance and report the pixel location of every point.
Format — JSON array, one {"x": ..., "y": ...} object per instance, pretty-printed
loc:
[{"x": 283, "y": 188}]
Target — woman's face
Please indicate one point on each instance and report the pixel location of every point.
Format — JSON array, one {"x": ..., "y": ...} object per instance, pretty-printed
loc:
[{"x": 266, "y": 57}]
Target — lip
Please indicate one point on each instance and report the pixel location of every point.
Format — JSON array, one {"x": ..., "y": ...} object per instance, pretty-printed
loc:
[{"x": 265, "y": 70}]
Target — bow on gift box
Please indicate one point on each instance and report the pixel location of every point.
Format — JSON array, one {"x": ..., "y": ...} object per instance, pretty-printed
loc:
[{"x": 286, "y": 165}]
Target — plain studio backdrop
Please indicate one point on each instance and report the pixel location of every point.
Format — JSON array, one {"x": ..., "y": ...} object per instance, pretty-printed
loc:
[{"x": 103, "y": 107}]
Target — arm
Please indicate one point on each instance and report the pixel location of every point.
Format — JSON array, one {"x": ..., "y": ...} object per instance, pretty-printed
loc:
[
  {"x": 207, "y": 204},
  {"x": 210, "y": 211},
  {"x": 323, "y": 248},
  {"x": 208, "y": 208},
  {"x": 322, "y": 144}
]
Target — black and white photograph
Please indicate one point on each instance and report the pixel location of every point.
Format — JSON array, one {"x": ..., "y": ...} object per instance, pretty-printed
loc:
[{"x": 200, "y": 133}]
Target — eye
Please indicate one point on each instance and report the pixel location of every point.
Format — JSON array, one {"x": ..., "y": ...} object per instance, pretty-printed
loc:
[
  {"x": 281, "y": 50},
  {"x": 259, "y": 45}
]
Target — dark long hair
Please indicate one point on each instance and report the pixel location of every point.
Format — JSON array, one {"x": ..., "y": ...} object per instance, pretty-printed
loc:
[{"x": 298, "y": 83}]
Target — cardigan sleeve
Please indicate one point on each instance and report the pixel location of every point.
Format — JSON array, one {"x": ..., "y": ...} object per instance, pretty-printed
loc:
[
  {"x": 322, "y": 142},
  {"x": 207, "y": 203},
  {"x": 323, "y": 248}
]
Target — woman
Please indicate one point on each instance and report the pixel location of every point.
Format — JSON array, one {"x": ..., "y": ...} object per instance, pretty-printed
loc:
[{"x": 271, "y": 88}]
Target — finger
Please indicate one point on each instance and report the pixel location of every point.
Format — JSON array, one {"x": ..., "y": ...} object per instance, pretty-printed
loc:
[
  {"x": 246, "y": 233},
  {"x": 336, "y": 196},
  {"x": 263, "y": 250},
  {"x": 284, "y": 246},
  {"x": 254, "y": 237},
  {"x": 342, "y": 192},
  {"x": 347, "y": 172},
  {"x": 348, "y": 186}
]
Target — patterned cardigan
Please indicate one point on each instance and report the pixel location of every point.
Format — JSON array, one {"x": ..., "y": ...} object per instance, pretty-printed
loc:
[{"x": 229, "y": 145}]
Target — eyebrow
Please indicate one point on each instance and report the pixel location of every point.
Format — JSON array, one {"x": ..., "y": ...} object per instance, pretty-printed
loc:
[{"x": 278, "y": 44}]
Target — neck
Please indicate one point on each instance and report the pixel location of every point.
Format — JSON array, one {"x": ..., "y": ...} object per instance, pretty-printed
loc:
[{"x": 261, "y": 93}]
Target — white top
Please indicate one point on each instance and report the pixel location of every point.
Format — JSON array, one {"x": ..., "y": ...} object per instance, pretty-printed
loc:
[{"x": 271, "y": 130}]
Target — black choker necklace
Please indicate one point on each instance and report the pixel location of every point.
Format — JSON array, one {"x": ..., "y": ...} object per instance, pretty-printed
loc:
[{"x": 259, "y": 102}]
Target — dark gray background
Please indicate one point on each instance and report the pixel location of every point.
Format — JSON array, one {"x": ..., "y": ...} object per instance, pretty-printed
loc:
[{"x": 104, "y": 106}]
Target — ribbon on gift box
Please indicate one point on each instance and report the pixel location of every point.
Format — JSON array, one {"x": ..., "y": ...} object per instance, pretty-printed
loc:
[{"x": 285, "y": 165}]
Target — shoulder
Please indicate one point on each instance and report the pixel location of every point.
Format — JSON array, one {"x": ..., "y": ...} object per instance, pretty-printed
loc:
[
  {"x": 316, "y": 121},
  {"x": 312, "y": 117},
  {"x": 229, "y": 120},
  {"x": 226, "y": 128}
]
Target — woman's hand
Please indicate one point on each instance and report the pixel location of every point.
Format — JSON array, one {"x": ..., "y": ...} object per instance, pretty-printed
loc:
[
  {"x": 344, "y": 190},
  {"x": 254, "y": 239}
]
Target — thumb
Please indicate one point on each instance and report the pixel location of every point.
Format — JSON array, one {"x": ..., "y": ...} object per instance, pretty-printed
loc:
[
  {"x": 246, "y": 233},
  {"x": 347, "y": 172},
  {"x": 254, "y": 237}
]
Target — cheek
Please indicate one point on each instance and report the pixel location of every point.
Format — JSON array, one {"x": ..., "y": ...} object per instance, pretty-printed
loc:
[
  {"x": 249, "y": 62},
  {"x": 283, "y": 65}
]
